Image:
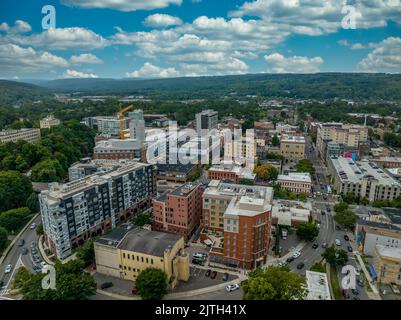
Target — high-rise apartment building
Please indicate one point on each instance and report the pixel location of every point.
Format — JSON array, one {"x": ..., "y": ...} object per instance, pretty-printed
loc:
[
  {"x": 74, "y": 212},
  {"x": 28, "y": 135},
  {"x": 206, "y": 120}
]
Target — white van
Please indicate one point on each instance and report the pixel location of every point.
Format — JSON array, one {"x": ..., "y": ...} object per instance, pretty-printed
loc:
[{"x": 284, "y": 234}]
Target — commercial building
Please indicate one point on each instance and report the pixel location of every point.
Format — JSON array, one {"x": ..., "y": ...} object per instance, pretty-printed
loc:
[
  {"x": 126, "y": 251},
  {"x": 298, "y": 182},
  {"x": 115, "y": 149},
  {"x": 179, "y": 211},
  {"x": 389, "y": 237},
  {"x": 262, "y": 129},
  {"x": 318, "y": 286},
  {"x": 292, "y": 147},
  {"x": 86, "y": 167},
  {"x": 389, "y": 162},
  {"x": 349, "y": 136},
  {"x": 74, "y": 212},
  {"x": 232, "y": 172},
  {"x": 387, "y": 264},
  {"x": 28, "y": 135},
  {"x": 206, "y": 120},
  {"x": 241, "y": 150},
  {"x": 241, "y": 215},
  {"x": 175, "y": 172},
  {"x": 363, "y": 178},
  {"x": 290, "y": 213},
  {"x": 49, "y": 122},
  {"x": 137, "y": 126}
]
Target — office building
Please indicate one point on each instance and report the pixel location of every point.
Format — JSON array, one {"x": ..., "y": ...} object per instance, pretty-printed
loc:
[
  {"x": 206, "y": 120},
  {"x": 106, "y": 126},
  {"x": 389, "y": 162},
  {"x": 126, "y": 251},
  {"x": 387, "y": 265},
  {"x": 298, "y": 182},
  {"x": 292, "y": 147},
  {"x": 179, "y": 211},
  {"x": 116, "y": 149},
  {"x": 137, "y": 126},
  {"x": 387, "y": 236},
  {"x": 363, "y": 178},
  {"x": 175, "y": 172},
  {"x": 49, "y": 122},
  {"x": 290, "y": 213},
  {"x": 76, "y": 211},
  {"x": 230, "y": 173},
  {"x": 28, "y": 135}
]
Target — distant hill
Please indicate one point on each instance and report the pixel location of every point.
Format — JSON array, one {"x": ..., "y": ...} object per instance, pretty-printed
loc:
[
  {"x": 304, "y": 86},
  {"x": 12, "y": 92}
]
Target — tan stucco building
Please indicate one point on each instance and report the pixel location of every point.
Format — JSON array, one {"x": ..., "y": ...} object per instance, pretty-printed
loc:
[
  {"x": 387, "y": 263},
  {"x": 292, "y": 147},
  {"x": 127, "y": 251}
]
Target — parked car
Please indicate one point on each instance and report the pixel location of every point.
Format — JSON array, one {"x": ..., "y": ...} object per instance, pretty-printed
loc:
[
  {"x": 346, "y": 238},
  {"x": 296, "y": 254},
  {"x": 323, "y": 212},
  {"x": 200, "y": 255},
  {"x": 338, "y": 227},
  {"x": 134, "y": 291},
  {"x": 324, "y": 245},
  {"x": 21, "y": 243},
  {"x": 106, "y": 285},
  {"x": 24, "y": 251},
  {"x": 315, "y": 246},
  {"x": 355, "y": 292},
  {"x": 213, "y": 275},
  {"x": 33, "y": 226},
  {"x": 349, "y": 248},
  {"x": 290, "y": 259},
  {"x": 208, "y": 272},
  {"x": 338, "y": 242},
  {"x": 300, "y": 265},
  {"x": 232, "y": 287},
  {"x": 196, "y": 261},
  {"x": 357, "y": 273},
  {"x": 361, "y": 283},
  {"x": 8, "y": 269},
  {"x": 394, "y": 288},
  {"x": 225, "y": 276},
  {"x": 345, "y": 294}
]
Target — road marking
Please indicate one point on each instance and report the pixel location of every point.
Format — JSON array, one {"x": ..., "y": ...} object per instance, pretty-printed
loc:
[{"x": 19, "y": 261}]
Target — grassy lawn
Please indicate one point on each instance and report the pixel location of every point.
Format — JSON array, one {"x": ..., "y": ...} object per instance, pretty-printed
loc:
[{"x": 335, "y": 284}]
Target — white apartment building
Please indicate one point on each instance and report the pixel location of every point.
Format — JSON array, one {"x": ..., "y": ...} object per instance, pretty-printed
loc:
[
  {"x": 77, "y": 211},
  {"x": 386, "y": 237},
  {"x": 28, "y": 135},
  {"x": 290, "y": 213},
  {"x": 363, "y": 178}
]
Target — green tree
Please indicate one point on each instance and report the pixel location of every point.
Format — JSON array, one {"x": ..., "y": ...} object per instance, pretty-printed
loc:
[
  {"x": 33, "y": 202},
  {"x": 305, "y": 165},
  {"x": 22, "y": 276},
  {"x": 141, "y": 219},
  {"x": 341, "y": 207},
  {"x": 335, "y": 257},
  {"x": 318, "y": 267},
  {"x": 307, "y": 231},
  {"x": 275, "y": 141},
  {"x": 3, "y": 239},
  {"x": 39, "y": 230},
  {"x": 14, "y": 219},
  {"x": 346, "y": 218},
  {"x": 266, "y": 172},
  {"x": 47, "y": 171},
  {"x": 247, "y": 182},
  {"x": 303, "y": 197},
  {"x": 350, "y": 198},
  {"x": 86, "y": 252},
  {"x": 274, "y": 283},
  {"x": 15, "y": 188},
  {"x": 151, "y": 284}
]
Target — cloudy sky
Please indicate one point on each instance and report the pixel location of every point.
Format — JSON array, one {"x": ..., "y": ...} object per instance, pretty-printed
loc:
[{"x": 172, "y": 38}]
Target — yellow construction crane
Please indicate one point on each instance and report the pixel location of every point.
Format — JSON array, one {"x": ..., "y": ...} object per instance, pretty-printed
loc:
[{"x": 120, "y": 115}]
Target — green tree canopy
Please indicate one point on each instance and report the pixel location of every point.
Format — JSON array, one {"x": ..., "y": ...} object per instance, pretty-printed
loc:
[
  {"x": 274, "y": 283},
  {"x": 3, "y": 239},
  {"x": 266, "y": 172},
  {"x": 275, "y": 141},
  {"x": 307, "y": 231},
  {"x": 151, "y": 284},
  {"x": 141, "y": 219},
  {"x": 15, "y": 188},
  {"x": 86, "y": 252},
  {"x": 14, "y": 219},
  {"x": 33, "y": 202},
  {"x": 47, "y": 171},
  {"x": 305, "y": 165},
  {"x": 335, "y": 257},
  {"x": 346, "y": 218}
]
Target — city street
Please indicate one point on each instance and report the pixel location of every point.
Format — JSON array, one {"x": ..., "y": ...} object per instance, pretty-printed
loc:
[{"x": 15, "y": 254}]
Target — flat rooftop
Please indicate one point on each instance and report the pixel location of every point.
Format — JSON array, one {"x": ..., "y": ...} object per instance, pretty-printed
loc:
[
  {"x": 318, "y": 286},
  {"x": 355, "y": 171},
  {"x": 296, "y": 177},
  {"x": 293, "y": 139},
  {"x": 389, "y": 252}
]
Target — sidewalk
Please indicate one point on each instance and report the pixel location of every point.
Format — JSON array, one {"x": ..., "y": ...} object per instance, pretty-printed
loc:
[{"x": 368, "y": 277}]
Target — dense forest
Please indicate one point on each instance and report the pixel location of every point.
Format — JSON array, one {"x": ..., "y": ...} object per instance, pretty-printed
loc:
[
  {"x": 12, "y": 93},
  {"x": 357, "y": 86}
]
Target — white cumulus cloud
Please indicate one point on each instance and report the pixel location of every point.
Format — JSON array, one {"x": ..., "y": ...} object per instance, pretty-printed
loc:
[
  {"x": 122, "y": 5},
  {"x": 295, "y": 64},
  {"x": 149, "y": 70},
  {"x": 85, "y": 58},
  {"x": 162, "y": 20},
  {"x": 69, "y": 74}
]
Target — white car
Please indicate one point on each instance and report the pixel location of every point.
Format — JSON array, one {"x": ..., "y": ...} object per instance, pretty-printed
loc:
[
  {"x": 296, "y": 254},
  {"x": 8, "y": 269},
  {"x": 338, "y": 242},
  {"x": 43, "y": 264},
  {"x": 357, "y": 273},
  {"x": 33, "y": 226},
  {"x": 232, "y": 287}
]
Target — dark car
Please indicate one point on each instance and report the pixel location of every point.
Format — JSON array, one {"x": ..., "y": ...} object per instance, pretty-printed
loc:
[
  {"x": 225, "y": 276},
  {"x": 328, "y": 209},
  {"x": 349, "y": 248},
  {"x": 208, "y": 272},
  {"x": 345, "y": 294},
  {"x": 21, "y": 243},
  {"x": 24, "y": 251},
  {"x": 355, "y": 292},
  {"x": 323, "y": 212},
  {"x": 338, "y": 227},
  {"x": 300, "y": 265},
  {"x": 134, "y": 291},
  {"x": 290, "y": 259},
  {"x": 361, "y": 283},
  {"x": 315, "y": 246},
  {"x": 346, "y": 238},
  {"x": 106, "y": 285},
  {"x": 196, "y": 261},
  {"x": 213, "y": 275}
]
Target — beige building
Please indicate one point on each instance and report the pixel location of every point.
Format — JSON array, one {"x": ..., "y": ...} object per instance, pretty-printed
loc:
[
  {"x": 28, "y": 135},
  {"x": 49, "y": 122},
  {"x": 298, "y": 182},
  {"x": 387, "y": 263},
  {"x": 292, "y": 147},
  {"x": 241, "y": 151},
  {"x": 126, "y": 251}
]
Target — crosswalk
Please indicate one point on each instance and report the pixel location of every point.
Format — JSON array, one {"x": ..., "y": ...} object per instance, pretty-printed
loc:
[{"x": 4, "y": 292}]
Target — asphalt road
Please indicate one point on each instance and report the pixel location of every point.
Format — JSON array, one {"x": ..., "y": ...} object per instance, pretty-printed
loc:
[{"x": 15, "y": 254}]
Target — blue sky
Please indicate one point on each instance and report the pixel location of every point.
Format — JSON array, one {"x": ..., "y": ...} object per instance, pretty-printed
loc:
[{"x": 172, "y": 38}]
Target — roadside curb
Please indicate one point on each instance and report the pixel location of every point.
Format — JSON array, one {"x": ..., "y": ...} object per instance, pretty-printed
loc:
[{"x": 5, "y": 253}]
